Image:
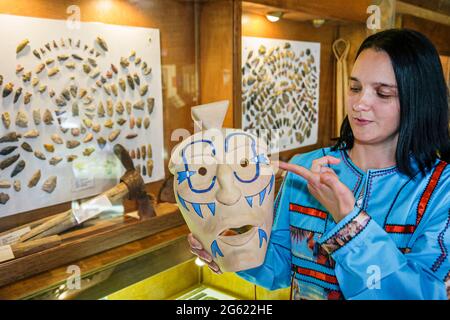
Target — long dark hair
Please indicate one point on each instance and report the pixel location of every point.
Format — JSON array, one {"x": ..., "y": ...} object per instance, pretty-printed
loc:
[{"x": 423, "y": 95}]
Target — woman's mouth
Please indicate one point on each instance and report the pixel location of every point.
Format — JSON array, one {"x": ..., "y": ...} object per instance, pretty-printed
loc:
[{"x": 361, "y": 121}]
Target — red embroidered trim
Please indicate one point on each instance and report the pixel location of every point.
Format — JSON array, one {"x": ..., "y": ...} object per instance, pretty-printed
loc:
[
  {"x": 429, "y": 190},
  {"x": 317, "y": 275},
  {"x": 423, "y": 203},
  {"x": 308, "y": 211},
  {"x": 392, "y": 228}
]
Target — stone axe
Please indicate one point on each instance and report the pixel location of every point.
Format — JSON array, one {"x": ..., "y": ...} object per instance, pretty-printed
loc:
[{"x": 131, "y": 185}]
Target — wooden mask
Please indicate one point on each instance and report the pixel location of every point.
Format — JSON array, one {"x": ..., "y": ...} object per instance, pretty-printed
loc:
[{"x": 224, "y": 186}]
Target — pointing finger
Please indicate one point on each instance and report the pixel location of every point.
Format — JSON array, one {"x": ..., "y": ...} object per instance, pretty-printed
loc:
[{"x": 298, "y": 170}]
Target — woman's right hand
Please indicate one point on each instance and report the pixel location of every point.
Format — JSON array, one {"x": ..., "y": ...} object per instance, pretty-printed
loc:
[{"x": 197, "y": 249}]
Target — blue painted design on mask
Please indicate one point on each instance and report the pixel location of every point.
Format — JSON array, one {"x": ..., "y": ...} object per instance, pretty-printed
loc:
[
  {"x": 251, "y": 180},
  {"x": 253, "y": 146},
  {"x": 183, "y": 203},
  {"x": 262, "y": 194},
  {"x": 197, "y": 209},
  {"x": 249, "y": 200},
  {"x": 215, "y": 249},
  {"x": 183, "y": 175},
  {"x": 212, "y": 207},
  {"x": 197, "y": 206},
  {"x": 260, "y": 158},
  {"x": 262, "y": 235},
  {"x": 271, "y": 184},
  {"x": 186, "y": 166}
]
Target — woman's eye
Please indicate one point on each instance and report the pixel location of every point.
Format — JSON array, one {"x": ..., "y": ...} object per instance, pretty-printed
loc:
[
  {"x": 355, "y": 89},
  {"x": 244, "y": 163},
  {"x": 384, "y": 95},
  {"x": 202, "y": 171}
]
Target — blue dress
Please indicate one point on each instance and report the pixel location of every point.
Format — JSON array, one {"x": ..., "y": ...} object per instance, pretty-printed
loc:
[{"x": 393, "y": 245}]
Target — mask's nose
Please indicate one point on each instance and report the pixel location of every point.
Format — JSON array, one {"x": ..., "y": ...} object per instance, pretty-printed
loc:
[{"x": 228, "y": 193}]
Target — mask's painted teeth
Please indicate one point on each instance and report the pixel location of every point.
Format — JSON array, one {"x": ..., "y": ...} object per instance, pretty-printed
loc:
[
  {"x": 215, "y": 249},
  {"x": 262, "y": 235},
  {"x": 249, "y": 200},
  {"x": 197, "y": 206},
  {"x": 272, "y": 180},
  {"x": 262, "y": 194},
  {"x": 197, "y": 209},
  {"x": 212, "y": 208},
  {"x": 183, "y": 203}
]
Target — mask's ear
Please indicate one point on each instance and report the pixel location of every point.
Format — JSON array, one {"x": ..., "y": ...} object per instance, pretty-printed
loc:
[
  {"x": 171, "y": 166},
  {"x": 175, "y": 160}
]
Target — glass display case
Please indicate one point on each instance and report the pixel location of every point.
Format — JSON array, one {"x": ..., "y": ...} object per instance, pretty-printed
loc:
[{"x": 95, "y": 94}]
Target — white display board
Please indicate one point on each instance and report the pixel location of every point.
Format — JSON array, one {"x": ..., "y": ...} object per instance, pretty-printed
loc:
[
  {"x": 280, "y": 91},
  {"x": 95, "y": 167}
]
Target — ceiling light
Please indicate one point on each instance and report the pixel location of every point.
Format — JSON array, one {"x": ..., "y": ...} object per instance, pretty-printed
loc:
[
  {"x": 318, "y": 22},
  {"x": 274, "y": 16}
]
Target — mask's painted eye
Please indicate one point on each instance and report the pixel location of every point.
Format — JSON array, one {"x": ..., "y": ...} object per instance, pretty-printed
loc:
[
  {"x": 202, "y": 171},
  {"x": 244, "y": 162}
]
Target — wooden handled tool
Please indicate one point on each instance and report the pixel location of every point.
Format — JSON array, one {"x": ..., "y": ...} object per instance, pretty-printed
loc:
[
  {"x": 131, "y": 185},
  {"x": 18, "y": 250}
]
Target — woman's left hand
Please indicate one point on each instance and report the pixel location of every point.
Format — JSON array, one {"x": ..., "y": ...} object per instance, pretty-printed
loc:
[{"x": 325, "y": 186}]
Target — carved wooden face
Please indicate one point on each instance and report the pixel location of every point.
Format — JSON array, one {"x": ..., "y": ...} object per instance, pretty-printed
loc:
[{"x": 224, "y": 186}]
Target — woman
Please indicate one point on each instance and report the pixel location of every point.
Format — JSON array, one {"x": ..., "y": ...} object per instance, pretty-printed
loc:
[{"x": 370, "y": 218}]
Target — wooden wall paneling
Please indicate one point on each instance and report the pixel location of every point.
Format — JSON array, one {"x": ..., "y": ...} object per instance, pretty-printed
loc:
[
  {"x": 258, "y": 26},
  {"x": 176, "y": 22},
  {"x": 261, "y": 9},
  {"x": 437, "y": 33},
  {"x": 216, "y": 54},
  {"x": 434, "y": 15},
  {"x": 441, "y": 6},
  {"x": 331, "y": 9},
  {"x": 237, "y": 68}
]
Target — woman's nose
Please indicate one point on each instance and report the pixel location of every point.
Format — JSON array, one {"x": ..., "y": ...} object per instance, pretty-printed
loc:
[
  {"x": 228, "y": 193},
  {"x": 362, "y": 102},
  {"x": 360, "y": 106}
]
